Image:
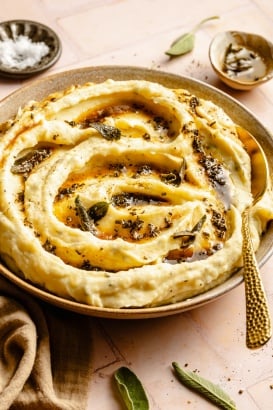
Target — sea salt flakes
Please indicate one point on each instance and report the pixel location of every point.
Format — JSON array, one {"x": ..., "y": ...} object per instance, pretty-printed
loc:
[{"x": 21, "y": 52}]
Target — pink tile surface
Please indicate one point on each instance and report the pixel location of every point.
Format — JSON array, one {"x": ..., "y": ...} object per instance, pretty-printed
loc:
[{"x": 210, "y": 339}]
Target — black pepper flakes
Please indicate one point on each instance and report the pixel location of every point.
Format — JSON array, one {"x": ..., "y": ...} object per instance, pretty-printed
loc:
[
  {"x": 49, "y": 247},
  {"x": 218, "y": 221},
  {"x": 65, "y": 192},
  {"x": 194, "y": 102},
  {"x": 213, "y": 169}
]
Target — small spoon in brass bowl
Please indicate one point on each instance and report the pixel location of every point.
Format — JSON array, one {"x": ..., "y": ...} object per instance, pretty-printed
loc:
[{"x": 258, "y": 323}]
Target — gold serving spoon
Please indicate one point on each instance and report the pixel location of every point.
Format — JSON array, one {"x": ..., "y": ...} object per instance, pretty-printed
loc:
[{"x": 258, "y": 323}]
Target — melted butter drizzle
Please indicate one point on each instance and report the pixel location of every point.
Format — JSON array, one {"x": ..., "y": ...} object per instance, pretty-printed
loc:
[
  {"x": 163, "y": 122},
  {"x": 243, "y": 63},
  {"x": 128, "y": 199},
  {"x": 132, "y": 227},
  {"x": 186, "y": 255},
  {"x": 215, "y": 171}
]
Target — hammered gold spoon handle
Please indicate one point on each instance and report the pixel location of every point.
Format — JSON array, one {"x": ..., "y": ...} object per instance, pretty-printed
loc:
[
  {"x": 258, "y": 326},
  {"x": 258, "y": 323}
]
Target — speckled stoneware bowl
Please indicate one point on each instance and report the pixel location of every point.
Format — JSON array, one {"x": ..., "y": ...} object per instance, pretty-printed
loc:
[
  {"x": 41, "y": 88},
  {"x": 37, "y": 33},
  {"x": 254, "y": 66}
]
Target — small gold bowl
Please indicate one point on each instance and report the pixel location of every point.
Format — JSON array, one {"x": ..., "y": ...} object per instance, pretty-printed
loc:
[{"x": 241, "y": 60}]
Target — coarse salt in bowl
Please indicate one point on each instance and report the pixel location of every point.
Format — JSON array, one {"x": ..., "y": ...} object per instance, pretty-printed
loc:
[
  {"x": 27, "y": 48},
  {"x": 22, "y": 52}
]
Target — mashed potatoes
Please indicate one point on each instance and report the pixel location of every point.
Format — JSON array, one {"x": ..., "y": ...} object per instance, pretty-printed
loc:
[{"x": 124, "y": 194}]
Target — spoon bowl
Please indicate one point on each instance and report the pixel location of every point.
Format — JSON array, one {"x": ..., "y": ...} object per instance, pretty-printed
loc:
[
  {"x": 258, "y": 323},
  {"x": 259, "y": 166}
]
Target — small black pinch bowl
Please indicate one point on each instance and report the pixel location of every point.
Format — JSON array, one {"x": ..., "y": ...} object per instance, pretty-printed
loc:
[{"x": 36, "y": 32}]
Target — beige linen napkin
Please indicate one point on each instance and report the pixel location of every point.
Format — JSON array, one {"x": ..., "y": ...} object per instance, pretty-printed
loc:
[{"x": 45, "y": 354}]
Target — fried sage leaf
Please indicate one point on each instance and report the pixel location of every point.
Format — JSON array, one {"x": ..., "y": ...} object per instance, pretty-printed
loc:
[
  {"x": 131, "y": 389},
  {"x": 182, "y": 170},
  {"x": 172, "y": 178},
  {"x": 205, "y": 388},
  {"x": 200, "y": 223},
  {"x": 185, "y": 43},
  {"x": 31, "y": 159},
  {"x": 188, "y": 237},
  {"x": 98, "y": 210},
  {"x": 175, "y": 177},
  {"x": 107, "y": 131},
  {"x": 87, "y": 224}
]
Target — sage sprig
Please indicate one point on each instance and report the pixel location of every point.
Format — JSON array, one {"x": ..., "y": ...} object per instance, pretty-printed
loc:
[
  {"x": 185, "y": 43},
  {"x": 131, "y": 389},
  {"x": 205, "y": 388}
]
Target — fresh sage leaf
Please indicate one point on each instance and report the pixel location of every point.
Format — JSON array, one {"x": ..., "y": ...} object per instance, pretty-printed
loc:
[
  {"x": 131, "y": 389},
  {"x": 205, "y": 388},
  {"x": 185, "y": 43}
]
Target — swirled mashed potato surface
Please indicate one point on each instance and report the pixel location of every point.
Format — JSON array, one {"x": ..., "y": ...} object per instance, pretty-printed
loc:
[{"x": 124, "y": 194}]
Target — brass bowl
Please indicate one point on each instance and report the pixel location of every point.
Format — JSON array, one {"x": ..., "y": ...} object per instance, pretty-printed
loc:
[
  {"x": 36, "y": 33},
  {"x": 241, "y": 60}
]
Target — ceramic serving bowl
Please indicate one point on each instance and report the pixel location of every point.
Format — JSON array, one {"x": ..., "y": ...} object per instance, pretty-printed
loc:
[
  {"x": 241, "y": 60},
  {"x": 39, "y": 89},
  {"x": 36, "y": 33}
]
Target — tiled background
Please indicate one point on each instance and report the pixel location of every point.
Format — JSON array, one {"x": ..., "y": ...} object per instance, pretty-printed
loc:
[{"x": 210, "y": 339}]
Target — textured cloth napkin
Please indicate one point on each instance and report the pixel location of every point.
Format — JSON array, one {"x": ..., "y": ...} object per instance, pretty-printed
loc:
[{"x": 45, "y": 354}]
